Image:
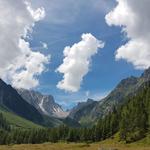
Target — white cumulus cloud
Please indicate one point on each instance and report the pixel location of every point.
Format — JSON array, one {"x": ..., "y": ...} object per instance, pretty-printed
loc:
[
  {"x": 134, "y": 18},
  {"x": 18, "y": 63},
  {"x": 77, "y": 61}
]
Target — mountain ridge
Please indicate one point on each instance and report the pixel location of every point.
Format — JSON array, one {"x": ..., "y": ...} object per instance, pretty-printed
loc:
[
  {"x": 10, "y": 99},
  {"x": 117, "y": 96}
]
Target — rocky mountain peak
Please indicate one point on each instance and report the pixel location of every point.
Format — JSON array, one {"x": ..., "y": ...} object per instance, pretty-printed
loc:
[{"x": 45, "y": 104}]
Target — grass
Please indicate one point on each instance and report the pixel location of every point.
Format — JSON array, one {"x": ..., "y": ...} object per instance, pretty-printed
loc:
[
  {"x": 73, "y": 146},
  {"x": 18, "y": 122},
  {"x": 110, "y": 144}
]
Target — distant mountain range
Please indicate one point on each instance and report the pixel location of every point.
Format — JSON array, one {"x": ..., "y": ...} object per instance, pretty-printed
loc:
[
  {"x": 124, "y": 115},
  {"x": 31, "y": 106},
  {"x": 43, "y": 110}
]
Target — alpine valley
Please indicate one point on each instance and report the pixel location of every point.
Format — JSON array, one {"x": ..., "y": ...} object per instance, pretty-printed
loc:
[
  {"x": 74, "y": 75},
  {"x": 37, "y": 118}
]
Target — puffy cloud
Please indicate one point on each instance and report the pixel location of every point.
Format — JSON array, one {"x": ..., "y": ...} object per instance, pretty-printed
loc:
[
  {"x": 77, "y": 61},
  {"x": 18, "y": 63},
  {"x": 31, "y": 66},
  {"x": 37, "y": 14},
  {"x": 134, "y": 18}
]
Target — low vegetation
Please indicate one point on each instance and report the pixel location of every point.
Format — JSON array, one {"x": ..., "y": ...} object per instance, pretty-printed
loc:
[{"x": 105, "y": 145}]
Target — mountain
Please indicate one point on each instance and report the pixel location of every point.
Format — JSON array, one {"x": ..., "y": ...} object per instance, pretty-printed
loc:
[
  {"x": 125, "y": 88},
  {"x": 21, "y": 113},
  {"x": 130, "y": 121},
  {"x": 126, "y": 123},
  {"x": 82, "y": 109},
  {"x": 18, "y": 111},
  {"x": 45, "y": 104},
  {"x": 12, "y": 101}
]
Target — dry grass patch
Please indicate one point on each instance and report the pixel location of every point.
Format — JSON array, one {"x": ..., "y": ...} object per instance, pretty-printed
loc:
[{"x": 105, "y": 145}]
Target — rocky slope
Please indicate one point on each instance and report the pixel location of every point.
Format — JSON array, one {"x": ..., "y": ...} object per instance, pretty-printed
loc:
[{"x": 45, "y": 104}]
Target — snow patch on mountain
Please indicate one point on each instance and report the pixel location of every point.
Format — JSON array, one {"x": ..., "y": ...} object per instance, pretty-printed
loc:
[{"x": 41, "y": 106}]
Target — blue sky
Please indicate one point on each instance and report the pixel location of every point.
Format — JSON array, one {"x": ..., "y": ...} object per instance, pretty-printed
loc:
[{"x": 63, "y": 26}]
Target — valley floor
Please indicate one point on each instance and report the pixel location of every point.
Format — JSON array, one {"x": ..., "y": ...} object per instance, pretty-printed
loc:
[{"x": 106, "y": 145}]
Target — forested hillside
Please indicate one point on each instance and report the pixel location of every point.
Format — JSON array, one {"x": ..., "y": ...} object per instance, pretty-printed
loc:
[
  {"x": 131, "y": 120},
  {"x": 135, "y": 116},
  {"x": 3, "y": 123}
]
